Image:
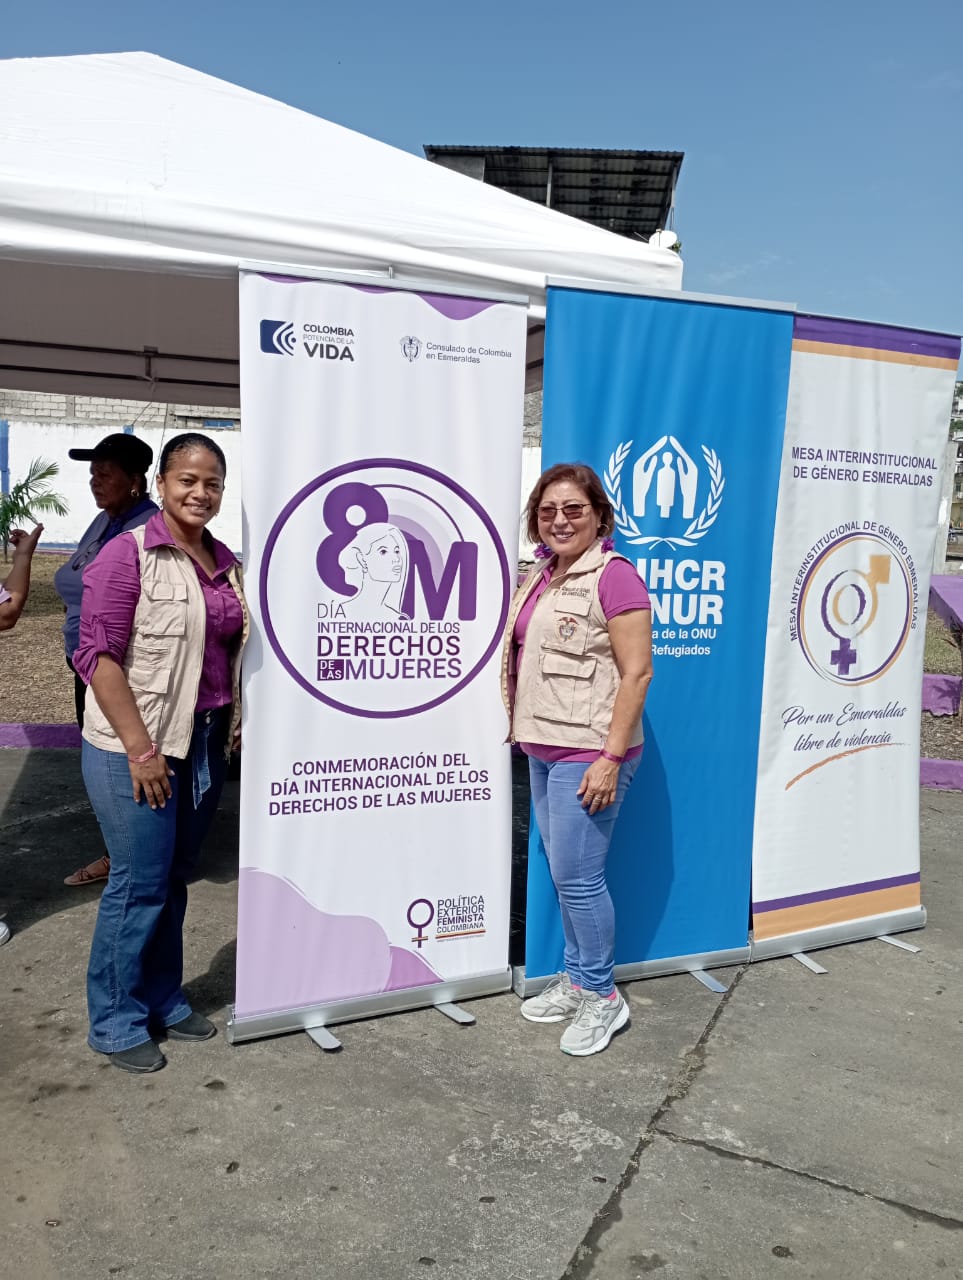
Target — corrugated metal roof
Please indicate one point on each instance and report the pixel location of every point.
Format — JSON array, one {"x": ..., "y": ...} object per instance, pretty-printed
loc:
[{"x": 628, "y": 192}]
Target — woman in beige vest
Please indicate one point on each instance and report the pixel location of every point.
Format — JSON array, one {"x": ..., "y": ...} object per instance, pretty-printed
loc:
[
  {"x": 576, "y": 666},
  {"x": 163, "y": 623}
]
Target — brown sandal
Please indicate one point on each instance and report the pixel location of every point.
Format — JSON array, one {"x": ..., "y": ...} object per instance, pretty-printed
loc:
[{"x": 99, "y": 869}]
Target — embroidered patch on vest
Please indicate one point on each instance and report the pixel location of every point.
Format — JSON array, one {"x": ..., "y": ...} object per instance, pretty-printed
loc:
[{"x": 566, "y": 628}]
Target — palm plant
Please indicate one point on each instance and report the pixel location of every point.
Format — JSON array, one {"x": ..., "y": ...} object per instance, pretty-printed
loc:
[{"x": 29, "y": 499}]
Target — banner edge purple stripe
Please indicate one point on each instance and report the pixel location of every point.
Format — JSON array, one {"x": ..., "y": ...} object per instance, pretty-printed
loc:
[
  {"x": 842, "y": 891},
  {"x": 880, "y": 337}
]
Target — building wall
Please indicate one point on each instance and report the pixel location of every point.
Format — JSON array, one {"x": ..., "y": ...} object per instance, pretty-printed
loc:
[
  {"x": 47, "y": 426},
  {"x": 51, "y": 440},
  {"x": 956, "y": 435},
  {"x": 113, "y": 415}
]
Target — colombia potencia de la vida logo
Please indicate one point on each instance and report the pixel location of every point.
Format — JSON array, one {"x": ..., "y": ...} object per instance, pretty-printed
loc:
[
  {"x": 319, "y": 339},
  {"x": 384, "y": 588},
  {"x": 854, "y": 602}
]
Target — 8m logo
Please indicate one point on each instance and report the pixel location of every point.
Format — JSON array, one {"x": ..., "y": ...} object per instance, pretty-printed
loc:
[{"x": 277, "y": 337}]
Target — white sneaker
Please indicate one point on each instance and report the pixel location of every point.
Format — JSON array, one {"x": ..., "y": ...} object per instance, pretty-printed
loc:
[
  {"x": 558, "y": 1001},
  {"x": 594, "y": 1025},
  {"x": 4, "y": 932}
]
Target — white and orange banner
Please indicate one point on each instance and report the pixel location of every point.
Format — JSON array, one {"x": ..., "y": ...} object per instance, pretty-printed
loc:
[{"x": 836, "y": 834}]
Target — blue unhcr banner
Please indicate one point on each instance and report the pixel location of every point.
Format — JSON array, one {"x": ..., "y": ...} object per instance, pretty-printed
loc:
[{"x": 680, "y": 406}]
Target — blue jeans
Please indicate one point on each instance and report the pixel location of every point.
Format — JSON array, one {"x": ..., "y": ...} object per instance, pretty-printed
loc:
[
  {"x": 577, "y": 845},
  {"x": 137, "y": 954}
]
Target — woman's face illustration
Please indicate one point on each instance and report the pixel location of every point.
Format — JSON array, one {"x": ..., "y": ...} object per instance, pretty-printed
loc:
[{"x": 383, "y": 561}]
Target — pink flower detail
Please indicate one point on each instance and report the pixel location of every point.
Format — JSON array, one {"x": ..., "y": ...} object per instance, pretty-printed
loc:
[
  {"x": 608, "y": 544},
  {"x": 542, "y": 552}
]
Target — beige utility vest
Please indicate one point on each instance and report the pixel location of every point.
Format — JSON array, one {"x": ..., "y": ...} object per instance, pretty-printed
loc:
[
  {"x": 165, "y": 652},
  {"x": 565, "y": 690}
]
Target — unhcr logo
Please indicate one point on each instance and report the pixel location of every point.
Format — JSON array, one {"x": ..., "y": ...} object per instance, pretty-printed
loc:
[
  {"x": 277, "y": 337},
  {"x": 663, "y": 490}
]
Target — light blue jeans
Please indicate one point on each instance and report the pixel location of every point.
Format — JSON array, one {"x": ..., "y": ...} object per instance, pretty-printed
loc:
[
  {"x": 577, "y": 845},
  {"x": 137, "y": 953}
]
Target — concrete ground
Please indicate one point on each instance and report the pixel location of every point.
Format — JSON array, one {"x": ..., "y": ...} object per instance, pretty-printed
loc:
[{"x": 798, "y": 1125}]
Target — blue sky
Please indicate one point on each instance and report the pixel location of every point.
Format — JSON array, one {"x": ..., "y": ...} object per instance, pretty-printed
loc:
[{"x": 822, "y": 141}]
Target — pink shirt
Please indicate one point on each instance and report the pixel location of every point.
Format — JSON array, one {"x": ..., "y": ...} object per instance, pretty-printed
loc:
[
  {"x": 111, "y": 594},
  {"x": 620, "y": 590}
]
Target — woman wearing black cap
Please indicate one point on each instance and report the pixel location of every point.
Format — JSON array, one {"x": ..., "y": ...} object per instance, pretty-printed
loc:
[{"x": 118, "y": 480}]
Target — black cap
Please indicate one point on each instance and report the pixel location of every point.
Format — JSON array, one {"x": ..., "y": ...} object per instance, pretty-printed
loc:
[{"x": 130, "y": 454}]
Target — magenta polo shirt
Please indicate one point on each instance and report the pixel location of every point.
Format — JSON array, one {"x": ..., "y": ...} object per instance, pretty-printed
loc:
[
  {"x": 111, "y": 594},
  {"x": 620, "y": 590}
]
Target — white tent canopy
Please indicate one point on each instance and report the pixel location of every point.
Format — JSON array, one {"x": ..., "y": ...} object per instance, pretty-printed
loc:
[{"x": 131, "y": 188}]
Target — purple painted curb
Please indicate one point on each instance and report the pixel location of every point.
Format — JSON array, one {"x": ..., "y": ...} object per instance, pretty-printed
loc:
[
  {"x": 942, "y": 775},
  {"x": 946, "y": 597},
  {"x": 941, "y": 694},
  {"x": 39, "y": 735}
]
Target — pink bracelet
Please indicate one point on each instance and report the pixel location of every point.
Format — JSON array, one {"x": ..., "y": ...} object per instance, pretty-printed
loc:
[
  {"x": 607, "y": 755},
  {"x": 148, "y": 755}
]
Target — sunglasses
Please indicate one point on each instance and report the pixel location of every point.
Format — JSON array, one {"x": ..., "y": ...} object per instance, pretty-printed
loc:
[{"x": 570, "y": 510}]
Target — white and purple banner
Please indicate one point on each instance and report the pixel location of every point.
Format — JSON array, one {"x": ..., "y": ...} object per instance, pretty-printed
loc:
[
  {"x": 836, "y": 838},
  {"x": 381, "y": 447}
]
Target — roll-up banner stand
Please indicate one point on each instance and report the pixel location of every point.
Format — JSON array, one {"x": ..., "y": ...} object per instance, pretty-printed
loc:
[
  {"x": 381, "y": 460},
  {"x": 836, "y": 844},
  {"x": 679, "y": 403}
]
